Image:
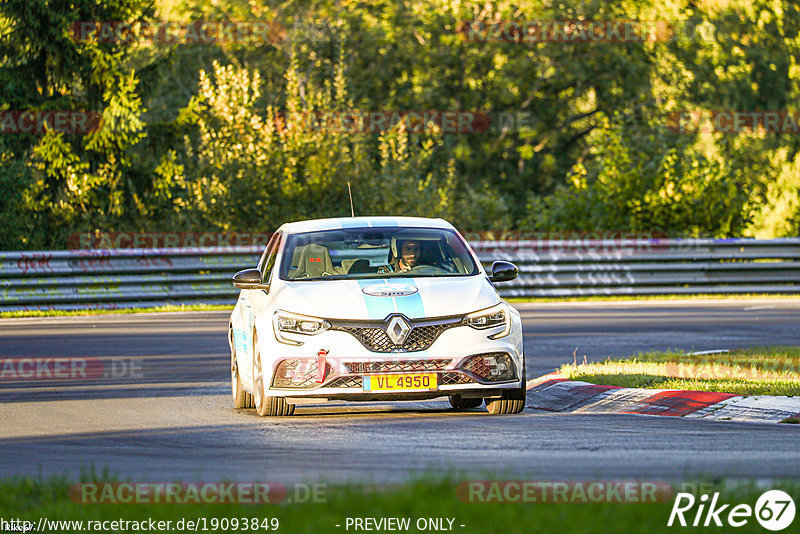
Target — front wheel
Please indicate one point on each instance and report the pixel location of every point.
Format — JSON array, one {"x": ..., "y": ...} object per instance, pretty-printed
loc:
[
  {"x": 512, "y": 401},
  {"x": 265, "y": 405}
]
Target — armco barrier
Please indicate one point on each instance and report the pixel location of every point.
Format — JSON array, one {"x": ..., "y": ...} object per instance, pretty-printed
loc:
[{"x": 120, "y": 278}]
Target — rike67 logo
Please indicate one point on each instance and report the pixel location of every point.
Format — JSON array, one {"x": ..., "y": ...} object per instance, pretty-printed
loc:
[{"x": 774, "y": 510}]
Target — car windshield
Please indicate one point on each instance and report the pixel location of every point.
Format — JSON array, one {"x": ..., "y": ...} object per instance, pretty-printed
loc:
[{"x": 352, "y": 253}]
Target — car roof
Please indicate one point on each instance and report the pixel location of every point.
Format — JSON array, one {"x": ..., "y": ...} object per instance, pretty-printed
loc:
[{"x": 363, "y": 222}]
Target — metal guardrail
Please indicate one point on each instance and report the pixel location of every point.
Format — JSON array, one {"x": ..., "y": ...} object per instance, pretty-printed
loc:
[{"x": 120, "y": 278}]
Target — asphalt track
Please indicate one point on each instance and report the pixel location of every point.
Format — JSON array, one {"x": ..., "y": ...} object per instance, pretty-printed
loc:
[{"x": 172, "y": 420}]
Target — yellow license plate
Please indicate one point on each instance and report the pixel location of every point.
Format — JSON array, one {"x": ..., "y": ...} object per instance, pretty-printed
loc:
[{"x": 400, "y": 382}]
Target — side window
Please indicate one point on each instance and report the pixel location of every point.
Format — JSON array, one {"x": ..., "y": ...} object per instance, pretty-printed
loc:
[
  {"x": 267, "y": 250},
  {"x": 267, "y": 262}
]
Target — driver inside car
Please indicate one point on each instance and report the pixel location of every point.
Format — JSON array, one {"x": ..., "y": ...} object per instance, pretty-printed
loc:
[{"x": 409, "y": 257}]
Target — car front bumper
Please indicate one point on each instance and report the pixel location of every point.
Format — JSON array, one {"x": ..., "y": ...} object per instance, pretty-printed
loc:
[{"x": 333, "y": 365}]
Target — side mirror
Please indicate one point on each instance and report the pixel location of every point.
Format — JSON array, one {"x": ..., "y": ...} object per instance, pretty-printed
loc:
[
  {"x": 248, "y": 279},
  {"x": 503, "y": 271}
]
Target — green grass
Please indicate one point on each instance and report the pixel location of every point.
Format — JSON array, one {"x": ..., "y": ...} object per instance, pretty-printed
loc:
[
  {"x": 69, "y": 313},
  {"x": 424, "y": 498},
  {"x": 759, "y": 371}
]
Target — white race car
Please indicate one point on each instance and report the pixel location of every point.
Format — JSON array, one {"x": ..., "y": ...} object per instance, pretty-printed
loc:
[{"x": 374, "y": 309}]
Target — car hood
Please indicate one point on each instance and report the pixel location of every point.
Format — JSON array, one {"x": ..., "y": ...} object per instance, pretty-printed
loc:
[{"x": 377, "y": 298}]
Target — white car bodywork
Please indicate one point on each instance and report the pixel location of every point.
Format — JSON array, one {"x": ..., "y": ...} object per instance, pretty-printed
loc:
[{"x": 296, "y": 368}]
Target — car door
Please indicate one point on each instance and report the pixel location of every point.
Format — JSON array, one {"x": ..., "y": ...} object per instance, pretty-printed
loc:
[{"x": 254, "y": 302}]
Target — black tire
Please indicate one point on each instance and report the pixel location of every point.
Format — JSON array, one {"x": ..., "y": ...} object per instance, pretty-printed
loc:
[
  {"x": 264, "y": 405},
  {"x": 504, "y": 406},
  {"x": 241, "y": 398},
  {"x": 512, "y": 401},
  {"x": 460, "y": 403}
]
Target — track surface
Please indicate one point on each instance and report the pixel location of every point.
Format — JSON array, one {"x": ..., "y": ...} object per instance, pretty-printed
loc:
[{"x": 174, "y": 420}]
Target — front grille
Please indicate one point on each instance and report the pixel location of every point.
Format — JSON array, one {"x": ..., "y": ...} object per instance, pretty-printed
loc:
[
  {"x": 447, "y": 379},
  {"x": 345, "y": 382},
  {"x": 297, "y": 373},
  {"x": 374, "y": 338},
  {"x": 397, "y": 366},
  {"x": 422, "y": 337}
]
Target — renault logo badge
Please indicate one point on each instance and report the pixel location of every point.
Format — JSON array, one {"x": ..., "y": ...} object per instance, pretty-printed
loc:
[{"x": 398, "y": 329}]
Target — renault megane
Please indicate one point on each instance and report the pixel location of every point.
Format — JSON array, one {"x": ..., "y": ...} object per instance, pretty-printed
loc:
[{"x": 374, "y": 308}]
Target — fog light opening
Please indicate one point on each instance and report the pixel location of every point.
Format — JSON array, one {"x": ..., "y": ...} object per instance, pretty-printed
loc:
[{"x": 491, "y": 367}]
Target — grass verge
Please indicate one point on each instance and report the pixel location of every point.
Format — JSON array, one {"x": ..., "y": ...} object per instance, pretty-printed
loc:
[
  {"x": 67, "y": 313},
  {"x": 442, "y": 500},
  {"x": 759, "y": 371}
]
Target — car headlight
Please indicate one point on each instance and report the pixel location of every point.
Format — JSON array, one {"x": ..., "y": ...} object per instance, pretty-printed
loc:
[
  {"x": 490, "y": 318},
  {"x": 293, "y": 323}
]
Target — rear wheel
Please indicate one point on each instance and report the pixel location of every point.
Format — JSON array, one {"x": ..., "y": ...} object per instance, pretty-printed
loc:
[
  {"x": 241, "y": 398},
  {"x": 512, "y": 401},
  {"x": 460, "y": 403},
  {"x": 265, "y": 405}
]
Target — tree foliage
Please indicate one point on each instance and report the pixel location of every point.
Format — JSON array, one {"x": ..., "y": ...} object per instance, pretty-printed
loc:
[{"x": 237, "y": 136}]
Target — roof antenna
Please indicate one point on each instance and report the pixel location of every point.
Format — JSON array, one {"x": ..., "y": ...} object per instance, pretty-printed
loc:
[{"x": 349, "y": 192}]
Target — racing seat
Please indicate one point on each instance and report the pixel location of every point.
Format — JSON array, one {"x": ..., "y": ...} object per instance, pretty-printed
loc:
[{"x": 315, "y": 261}]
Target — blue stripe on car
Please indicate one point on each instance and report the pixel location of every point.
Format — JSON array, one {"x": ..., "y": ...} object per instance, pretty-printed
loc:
[
  {"x": 240, "y": 341},
  {"x": 380, "y": 307},
  {"x": 377, "y": 307},
  {"x": 410, "y": 305}
]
